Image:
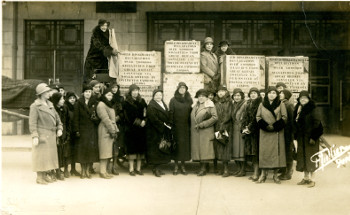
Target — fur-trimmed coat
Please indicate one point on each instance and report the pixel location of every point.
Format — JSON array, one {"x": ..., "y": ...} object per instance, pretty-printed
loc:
[
  {"x": 251, "y": 141},
  {"x": 203, "y": 116},
  {"x": 98, "y": 53},
  {"x": 156, "y": 130},
  {"x": 236, "y": 137},
  {"x": 271, "y": 142},
  {"x": 180, "y": 118},
  {"x": 223, "y": 108},
  {"x": 308, "y": 126},
  {"x": 135, "y": 136}
]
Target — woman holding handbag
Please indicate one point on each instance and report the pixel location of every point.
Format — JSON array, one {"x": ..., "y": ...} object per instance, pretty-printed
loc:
[
  {"x": 85, "y": 129},
  {"x": 107, "y": 131},
  {"x": 158, "y": 128},
  {"x": 203, "y": 118}
]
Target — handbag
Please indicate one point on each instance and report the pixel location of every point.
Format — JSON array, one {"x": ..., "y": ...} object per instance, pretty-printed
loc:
[{"x": 167, "y": 145}]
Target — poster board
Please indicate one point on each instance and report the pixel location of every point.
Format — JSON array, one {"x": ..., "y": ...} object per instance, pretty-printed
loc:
[
  {"x": 182, "y": 56},
  {"x": 245, "y": 72},
  {"x": 142, "y": 68}
]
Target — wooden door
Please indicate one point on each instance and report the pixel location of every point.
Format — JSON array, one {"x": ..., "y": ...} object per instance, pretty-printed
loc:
[{"x": 54, "y": 51}]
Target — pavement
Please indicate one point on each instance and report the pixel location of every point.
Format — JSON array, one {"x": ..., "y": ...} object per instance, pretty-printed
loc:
[{"x": 173, "y": 195}]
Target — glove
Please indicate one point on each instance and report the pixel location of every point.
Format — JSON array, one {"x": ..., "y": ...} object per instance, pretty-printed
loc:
[
  {"x": 270, "y": 128},
  {"x": 59, "y": 133},
  {"x": 143, "y": 123},
  {"x": 312, "y": 142},
  {"x": 35, "y": 141},
  {"x": 77, "y": 134}
]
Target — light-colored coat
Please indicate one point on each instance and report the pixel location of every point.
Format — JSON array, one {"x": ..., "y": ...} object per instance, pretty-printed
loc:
[
  {"x": 44, "y": 122},
  {"x": 209, "y": 65},
  {"x": 106, "y": 127},
  {"x": 271, "y": 144},
  {"x": 204, "y": 116}
]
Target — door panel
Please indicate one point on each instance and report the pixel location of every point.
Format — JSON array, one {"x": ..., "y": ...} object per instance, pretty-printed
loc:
[{"x": 345, "y": 108}]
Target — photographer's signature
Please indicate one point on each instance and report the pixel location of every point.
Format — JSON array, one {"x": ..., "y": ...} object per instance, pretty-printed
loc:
[{"x": 339, "y": 155}]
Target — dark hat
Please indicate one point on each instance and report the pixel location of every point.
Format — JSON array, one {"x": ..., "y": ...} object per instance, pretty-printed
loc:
[
  {"x": 222, "y": 87},
  {"x": 287, "y": 94},
  {"x": 253, "y": 89},
  {"x": 70, "y": 94},
  {"x": 271, "y": 88},
  {"x": 281, "y": 84},
  {"x": 202, "y": 92},
  {"x": 55, "y": 98},
  {"x": 114, "y": 84},
  {"x": 182, "y": 84},
  {"x": 108, "y": 90},
  {"x": 238, "y": 90},
  {"x": 102, "y": 22},
  {"x": 224, "y": 42},
  {"x": 133, "y": 87},
  {"x": 87, "y": 87},
  {"x": 156, "y": 91},
  {"x": 262, "y": 90},
  {"x": 304, "y": 93},
  {"x": 93, "y": 83}
]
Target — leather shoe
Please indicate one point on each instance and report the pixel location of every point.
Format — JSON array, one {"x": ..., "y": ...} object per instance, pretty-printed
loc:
[
  {"x": 304, "y": 182},
  {"x": 156, "y": 172},
  {"x": 311, "y": 184},
  {"x": 183, "y": 171},
  {"x": 104, "y": 175},
  {"x": 75, "y": 173},
  {"x": 132, "y": 173},
  {"x": 139, "y": 172}
]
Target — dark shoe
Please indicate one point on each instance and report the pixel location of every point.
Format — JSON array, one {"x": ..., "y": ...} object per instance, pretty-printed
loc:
[
  {"x": 235, "y": 173},
  {"x": 66, "y": 174},
  {"x": 132, "y": 173},
  {"x": 304, "y": 182},
  {"x": 240, "y": 174},
  {"x": 60, "y": 176},
  {"x": 156, "y": 172},
  {"x": 161, "y": 172},
  {"x": 202, "y": 173},
  {"x": 225, "y": 174},
  {"x": 311, "y": 184},
  {"x": 285, "y": 177},
  {"x": 40, "y": 178},
  {"x": 139, "y": 172},
  {"x": 75, "y": 173},
  {"x": 183, "y": 171},
  {"x": 105, "y": 175},
  {"x": 262, "y": 179},
  {"x": 82, "y": 175},
  {"x": 276, "y": 179},
  {"x": 88, "y": 175},
  {"x": 115, "y": 172},
  {"x": 52, "y": 175},
  {"x": 92, "y": 171},
  {"x": 175, "y": 172},
  {"x": 253, "y": 178}
]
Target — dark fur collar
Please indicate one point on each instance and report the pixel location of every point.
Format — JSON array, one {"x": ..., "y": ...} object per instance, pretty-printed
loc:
[
  {"x": 271, "y": 107},
  {"x": 155, "y": 104},
  {"x": 69, "y": 106},
  {"x": 237, "y": 106},
  {"x": 183, "y": 99},
  {"x": 224, "y": 99},
  {"x": 307, "y": 109},
  {"x": 108, "y": 103},
  {"x": 229, "y": 51},
  {"x": 130, "y": 100},
  {"x": 97, "y": 31}
]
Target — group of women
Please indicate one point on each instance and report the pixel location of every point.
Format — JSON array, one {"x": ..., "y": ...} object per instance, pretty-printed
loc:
[{"x": 92, "y": 128}]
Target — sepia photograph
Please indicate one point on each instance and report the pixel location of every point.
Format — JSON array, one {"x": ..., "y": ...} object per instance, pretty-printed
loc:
[{"x": 175, "y": 107}]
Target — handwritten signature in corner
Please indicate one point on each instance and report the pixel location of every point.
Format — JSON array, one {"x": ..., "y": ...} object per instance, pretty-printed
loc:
[{"x": 328, "y": 155}]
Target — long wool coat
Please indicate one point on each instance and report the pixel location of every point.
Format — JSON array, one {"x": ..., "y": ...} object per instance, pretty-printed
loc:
[
  {"x": 86, "y": 144},
  {"x": 209, "y": 65},
  {"x": 307, "y": 127},
  {"x": 288, "y": 131},
  {"x": 202, "y": 139},
  {"x": 156, "y": 130},
  {"x": 44, "y": 123},
  {"x": 64, "y": 148},
  {"x": 223, "y": 107},
  {"x": 271, "y": 143},
  {"x": 98, "y": 52},
  {"x": 135, "y": 136},
  {"x": 72, "y": 138},
  {"x": 106, "y": 127},
  {"x": 251, "y": 141},
  {"x": 117, "y": 102},
  {"x": 180, "y": 118},
  {"x": 238, "y": 148}
]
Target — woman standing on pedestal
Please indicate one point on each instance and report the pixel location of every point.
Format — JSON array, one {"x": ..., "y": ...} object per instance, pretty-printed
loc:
[
  {"x": 45, "y": 126},
  {"x": 99, "y": 50},
  {"x": 179, "y": 113},
  {"x": 210, "y": 66}
]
